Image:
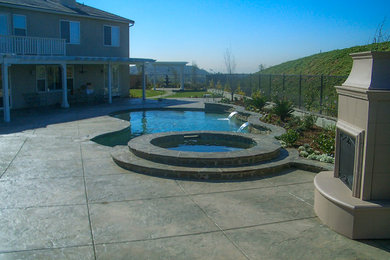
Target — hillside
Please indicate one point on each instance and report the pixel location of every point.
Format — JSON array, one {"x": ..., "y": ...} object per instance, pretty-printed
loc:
[{"x": 337, "y": 62}]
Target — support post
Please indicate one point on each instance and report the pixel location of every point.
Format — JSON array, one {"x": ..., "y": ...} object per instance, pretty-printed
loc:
[
  {"x": 7, "y": 114},
  {"x": 321, "y": 92},
  {"x": 300, "y": 91},
  {"x": 270, "y": 86},
  {"x": 143, "y": 82},
  {"x": 182, "y": 77},
  {"x": 109, "y": 71},
  {"x": 154, "y": 77},
  {"x": 64, "y": 103},
  {"x": 250, "y": 81}
]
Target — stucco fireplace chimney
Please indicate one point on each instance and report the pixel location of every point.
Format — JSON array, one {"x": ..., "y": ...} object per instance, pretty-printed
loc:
[{"x": 354, "y": 200}]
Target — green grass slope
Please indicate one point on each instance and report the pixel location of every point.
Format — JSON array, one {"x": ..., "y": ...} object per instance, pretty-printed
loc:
[{"x": 337, "y": 62}]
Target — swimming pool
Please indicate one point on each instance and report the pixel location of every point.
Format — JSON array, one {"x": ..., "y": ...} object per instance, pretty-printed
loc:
[{"x": 157, "y": 121}]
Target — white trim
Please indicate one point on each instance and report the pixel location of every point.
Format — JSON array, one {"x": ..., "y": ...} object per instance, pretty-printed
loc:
[
  {"x": 143, "y": 82},
  {"x": 64, "y": 103},
  {"x": 109, "y": 72},
  {"x": 71, "y": 60},
  {"x": 116, "y": 79}
]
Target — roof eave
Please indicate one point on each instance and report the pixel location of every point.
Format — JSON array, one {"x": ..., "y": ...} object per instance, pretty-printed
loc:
[{"x": 123, "y": 20}]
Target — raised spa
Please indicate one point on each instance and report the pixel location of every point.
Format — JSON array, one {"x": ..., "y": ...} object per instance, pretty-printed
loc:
[{"x": 211, "y": 149}]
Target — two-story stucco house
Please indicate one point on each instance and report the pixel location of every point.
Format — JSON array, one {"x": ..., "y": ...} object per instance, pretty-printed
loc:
[{"x": 59, "y": 52}]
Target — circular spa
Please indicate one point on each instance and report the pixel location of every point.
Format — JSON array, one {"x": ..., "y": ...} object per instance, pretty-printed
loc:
[{"x": 205, "y": 148}]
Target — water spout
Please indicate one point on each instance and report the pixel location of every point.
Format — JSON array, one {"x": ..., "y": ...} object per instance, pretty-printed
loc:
[
  {"x": 232, "y": 114},
  {"x": 243, "y": 126}
]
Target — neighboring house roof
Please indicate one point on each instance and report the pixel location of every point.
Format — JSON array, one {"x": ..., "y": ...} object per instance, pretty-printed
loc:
[{"x": 59, "y": 6}]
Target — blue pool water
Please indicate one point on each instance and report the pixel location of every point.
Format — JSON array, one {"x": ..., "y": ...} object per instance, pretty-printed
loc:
[
  {"x": 204, "y": 148},
  {"x": 156, "y": 121}
]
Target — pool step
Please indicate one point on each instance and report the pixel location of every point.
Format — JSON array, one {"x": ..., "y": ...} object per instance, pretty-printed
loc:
[{"x": 125, "y": 159}]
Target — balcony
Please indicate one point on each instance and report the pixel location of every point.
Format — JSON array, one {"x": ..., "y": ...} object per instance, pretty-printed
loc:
[{"x": 22, "y": 45}]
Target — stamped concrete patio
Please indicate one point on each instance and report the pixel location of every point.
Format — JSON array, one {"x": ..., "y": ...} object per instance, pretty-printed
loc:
[{"x": 62, "y": 196}]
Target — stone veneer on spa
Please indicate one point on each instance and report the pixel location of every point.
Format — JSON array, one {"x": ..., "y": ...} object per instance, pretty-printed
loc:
[{"x": 151, "y": 147}]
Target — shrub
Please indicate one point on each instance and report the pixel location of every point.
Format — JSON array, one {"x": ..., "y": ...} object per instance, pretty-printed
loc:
[
  {"x": 290, "y": 137},
  {"x": 303, "y": 154},
  {"x": 309, "y": 121},
  {"x": 216, "y": 95},
  {"x": 225, "y": 100},
  {"x": 266, "y": 118},
  {"x": 258, "y": 100},
  {"x": 301, "y": 148},
  {"x": 294, "y": 122},
  {"x": 283, "y": 108},
  {"x": 239, "y": 91},
  {"x": 326, "y": 141}
]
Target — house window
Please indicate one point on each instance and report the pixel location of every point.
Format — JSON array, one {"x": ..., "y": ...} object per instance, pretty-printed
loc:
[
  {"x": 3, "y": 24},
  {"x": 70, "y": 31},
  {"x": 111, "y": 36},
  {"x": 41, "y": 78},
  {"x": 19, "y": 22},
  {"x": 48, "y": 78},
  {"x": 53, "y": 78}
]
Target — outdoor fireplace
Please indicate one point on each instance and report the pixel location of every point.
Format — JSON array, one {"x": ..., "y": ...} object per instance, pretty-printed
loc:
[{"x": 354, "y": 200}]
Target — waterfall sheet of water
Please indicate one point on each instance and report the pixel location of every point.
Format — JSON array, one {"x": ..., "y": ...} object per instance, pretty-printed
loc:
[
  {"x": 243, "y": 126},
  {"x": 232, "y": 114}
]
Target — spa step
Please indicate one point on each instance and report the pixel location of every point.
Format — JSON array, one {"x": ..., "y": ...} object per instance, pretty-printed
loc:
[{"x": 125, "y": 159}]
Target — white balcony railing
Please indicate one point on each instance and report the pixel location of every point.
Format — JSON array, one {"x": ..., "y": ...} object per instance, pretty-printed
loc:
[{"x": 22, "y": 45}]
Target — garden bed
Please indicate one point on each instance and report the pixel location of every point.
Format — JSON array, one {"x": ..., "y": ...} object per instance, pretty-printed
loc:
[{"x": 311, "y": 140}]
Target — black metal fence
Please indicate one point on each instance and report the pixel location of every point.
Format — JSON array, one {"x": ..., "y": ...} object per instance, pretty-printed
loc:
[{"x": 315, "y": 93}]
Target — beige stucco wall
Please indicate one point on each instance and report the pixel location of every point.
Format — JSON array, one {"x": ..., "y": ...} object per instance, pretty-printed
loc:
[
  {"x": 353, "y": 111},
  {"x": 22, "y": 79},
  {"x": 379, "y": 127},
  {"x": 47, "y": 25}
]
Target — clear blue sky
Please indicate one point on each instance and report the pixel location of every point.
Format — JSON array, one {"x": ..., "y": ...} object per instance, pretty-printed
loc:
[{"x": 257, "y": 32}]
